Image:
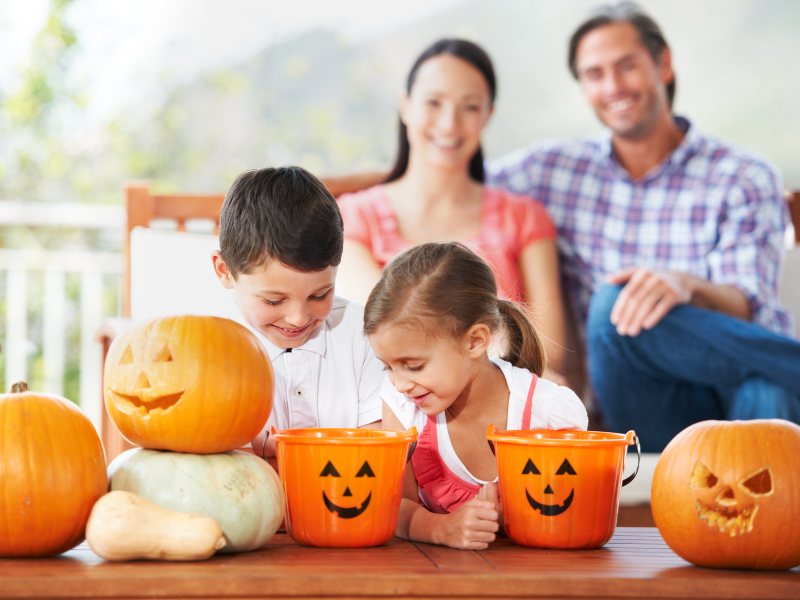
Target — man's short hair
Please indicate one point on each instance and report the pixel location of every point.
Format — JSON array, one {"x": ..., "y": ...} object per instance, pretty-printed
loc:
[
  {"x": 284, "y": 214},
  {"x": 624, "y": 12}
]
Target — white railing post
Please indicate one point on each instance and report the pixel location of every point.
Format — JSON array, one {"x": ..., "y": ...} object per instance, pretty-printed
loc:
[
  {"x": 16, "y": 346},
  {"x": 91, "y": 352},
  {"x": 54, "y": 337}
]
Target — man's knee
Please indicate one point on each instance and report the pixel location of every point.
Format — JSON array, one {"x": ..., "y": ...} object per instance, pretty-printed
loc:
[{"x": 760, "y": 398}]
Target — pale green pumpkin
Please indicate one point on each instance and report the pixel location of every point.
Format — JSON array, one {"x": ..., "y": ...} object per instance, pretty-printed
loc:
[{"x": 239, "y": 491}]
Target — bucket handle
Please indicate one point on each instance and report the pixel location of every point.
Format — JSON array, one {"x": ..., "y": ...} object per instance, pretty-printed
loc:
[
  {"x": 630, "y": 478},
  {"x": 411, "y": 451},
  {"x": 492, "y": 430}
]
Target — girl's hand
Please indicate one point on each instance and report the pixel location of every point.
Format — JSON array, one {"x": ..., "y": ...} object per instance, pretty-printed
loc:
[
  {"x": 471, "y": 527},
  {"x": 491, "y": 493}
]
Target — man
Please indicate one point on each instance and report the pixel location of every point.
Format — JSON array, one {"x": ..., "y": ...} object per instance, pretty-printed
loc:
[{"x": 671, "y": 245}]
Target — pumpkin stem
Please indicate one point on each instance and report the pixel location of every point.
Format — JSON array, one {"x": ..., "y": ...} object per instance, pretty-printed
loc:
[{"x": 19, "y": 387}]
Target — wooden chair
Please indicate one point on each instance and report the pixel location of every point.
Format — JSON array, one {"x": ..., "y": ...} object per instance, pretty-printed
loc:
[
  {"x": 142, "y": 207},
  {"x": 793, "y": 200}
]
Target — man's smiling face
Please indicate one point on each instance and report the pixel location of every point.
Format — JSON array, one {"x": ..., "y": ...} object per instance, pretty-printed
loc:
[{"x": 624, "y": 85}]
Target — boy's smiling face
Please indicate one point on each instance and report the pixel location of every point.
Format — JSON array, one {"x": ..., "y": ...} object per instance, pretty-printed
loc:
[{"x": 284, "y": 304}]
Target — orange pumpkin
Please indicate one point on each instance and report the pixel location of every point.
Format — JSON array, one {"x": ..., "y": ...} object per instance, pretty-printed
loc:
[
  {"x": 189, "y": 384},
  {"x": 727, "y": 494},
  {"x": 52, "y": 471}
]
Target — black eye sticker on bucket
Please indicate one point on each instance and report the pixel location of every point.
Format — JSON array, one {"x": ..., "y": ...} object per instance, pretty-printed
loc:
[
  {"x": 549, "y": 510},
  {"x": 341, "y": 511}
]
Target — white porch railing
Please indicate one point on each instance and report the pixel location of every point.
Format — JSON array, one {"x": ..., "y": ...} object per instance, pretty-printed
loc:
[
  {"x": 96, "y": 271},
  {"x": 92, "y": 267}
]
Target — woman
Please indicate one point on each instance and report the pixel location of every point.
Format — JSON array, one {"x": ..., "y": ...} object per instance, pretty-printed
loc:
[{"x": 435, "y": 192}]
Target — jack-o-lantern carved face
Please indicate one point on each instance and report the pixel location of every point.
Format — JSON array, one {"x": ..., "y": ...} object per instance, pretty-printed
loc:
[
  {"x": 135, "y": 392},
  {"x": 341, "y": 511},
  {"x": 188, "y": 384},
  {"x": 549, "y": 510},
  {"x": 733, "y": 508},
  {"x": 724, "y": 494}
]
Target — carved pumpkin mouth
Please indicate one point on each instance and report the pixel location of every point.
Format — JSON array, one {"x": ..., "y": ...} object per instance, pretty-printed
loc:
[
  {"x": 736, "y": 522},
  {"x": 550, "y": 510},
  {"x": 145, "y": 401},
  {"x": 346, "y": 513}
]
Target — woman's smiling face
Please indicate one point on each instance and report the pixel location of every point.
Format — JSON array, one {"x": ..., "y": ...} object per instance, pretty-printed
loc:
[{"x": 445, "y": 112}]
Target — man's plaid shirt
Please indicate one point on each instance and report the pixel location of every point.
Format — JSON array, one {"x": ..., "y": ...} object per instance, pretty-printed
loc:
[{"x": 710, "y": 209}]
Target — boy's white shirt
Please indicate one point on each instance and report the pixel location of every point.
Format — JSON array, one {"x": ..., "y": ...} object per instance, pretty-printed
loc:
[
  {"x": 552, "y": 407},
  {"x": 332, "y": 380}
]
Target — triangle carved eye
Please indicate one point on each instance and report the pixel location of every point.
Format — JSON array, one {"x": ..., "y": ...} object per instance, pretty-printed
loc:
[
  {"x": 127, "y": 357},
  {"x": 702, "y": 478},
  {"x": 530, "y": 468},
  {"x": 164, "y": 356},
  {"x": 329, "y": 471},
  {"x": 566, "y": 469},
  {"x": 365, "y": 471}
]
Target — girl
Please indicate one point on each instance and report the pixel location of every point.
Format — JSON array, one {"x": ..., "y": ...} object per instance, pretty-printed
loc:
[
  {"x": 435, "y": 191},
  {"x": 430, "y": 320}
]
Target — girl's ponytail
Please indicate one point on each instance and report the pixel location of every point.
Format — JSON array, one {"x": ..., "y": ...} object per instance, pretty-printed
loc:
[{"x": 525, "y": 347}]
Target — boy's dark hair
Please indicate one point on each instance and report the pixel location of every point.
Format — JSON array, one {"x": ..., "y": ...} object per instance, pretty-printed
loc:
[
  {"x": 284, "y": 214},
  {"x": 624, "y": 12}
]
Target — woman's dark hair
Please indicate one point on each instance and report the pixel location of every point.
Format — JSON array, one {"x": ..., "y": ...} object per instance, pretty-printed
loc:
[
  {"x": 447, "y": 288},
  {"x": 474, "y": 55},
  {"x": 624, "y": 12}
]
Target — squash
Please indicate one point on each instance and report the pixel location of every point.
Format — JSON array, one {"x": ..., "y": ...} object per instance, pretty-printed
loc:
[
  {"x": 188, "y": 384},
  {"x": 52, "y": 471},
  {"x": 727, "y": 494},
  {"x": 238, "y": 490},
  {"x": 124, "y": 526}
]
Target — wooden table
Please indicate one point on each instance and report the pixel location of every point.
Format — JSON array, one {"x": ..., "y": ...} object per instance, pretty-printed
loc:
[{"x": 634, "y": 564}]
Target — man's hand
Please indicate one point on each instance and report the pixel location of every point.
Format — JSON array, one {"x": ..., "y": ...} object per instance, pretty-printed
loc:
[{"x": 647, "y": 297}]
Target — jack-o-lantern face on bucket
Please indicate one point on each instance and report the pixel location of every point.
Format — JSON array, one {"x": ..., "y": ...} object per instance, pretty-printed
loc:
[
  {"x": 188, "y": 384},
  {"x": 343, "y": 512},
  {"x": 550, "y": 509},
  {"x": 559, "y": 489},
  {"x": 724, "y": 494},
  {"x": 343, "y": 486}
]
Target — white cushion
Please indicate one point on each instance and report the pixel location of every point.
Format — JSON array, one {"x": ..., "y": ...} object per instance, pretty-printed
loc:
[
  {"x": 172, "y": 273},
  {"x": 790, "y": 285}
]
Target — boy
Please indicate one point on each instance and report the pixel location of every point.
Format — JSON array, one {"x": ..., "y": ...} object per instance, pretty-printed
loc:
[{"x": 281, "y": 239}]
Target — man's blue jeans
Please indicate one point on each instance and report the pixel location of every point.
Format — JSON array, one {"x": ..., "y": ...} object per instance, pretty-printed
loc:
[{"x": 696, "y": 364}]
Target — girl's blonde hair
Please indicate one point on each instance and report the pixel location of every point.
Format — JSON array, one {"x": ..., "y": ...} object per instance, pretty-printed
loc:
[{"x": 447, "y": 288}]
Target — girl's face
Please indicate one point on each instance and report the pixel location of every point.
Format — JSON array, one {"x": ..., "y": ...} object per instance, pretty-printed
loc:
[
  {"x": 432, "y": 371},
  {"x": 446, "y": 111}
]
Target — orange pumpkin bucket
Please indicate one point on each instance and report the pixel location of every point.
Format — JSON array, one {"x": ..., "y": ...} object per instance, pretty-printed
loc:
[
  {"x": 560, "y": 489},
  {"x": 343, "y": 486}
]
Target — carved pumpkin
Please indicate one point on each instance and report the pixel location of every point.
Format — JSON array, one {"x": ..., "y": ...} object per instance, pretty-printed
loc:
[
  {"x": 727, "y": 494},
  {"x": 238, "y": 490},
  {"x": 52, "y": 471},
  {"x": 343, "y": 486},
  {"x": 188, "y": 384}
]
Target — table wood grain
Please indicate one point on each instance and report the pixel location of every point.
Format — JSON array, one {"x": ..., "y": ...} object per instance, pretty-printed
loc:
[{"x": 636, "y": 563}]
